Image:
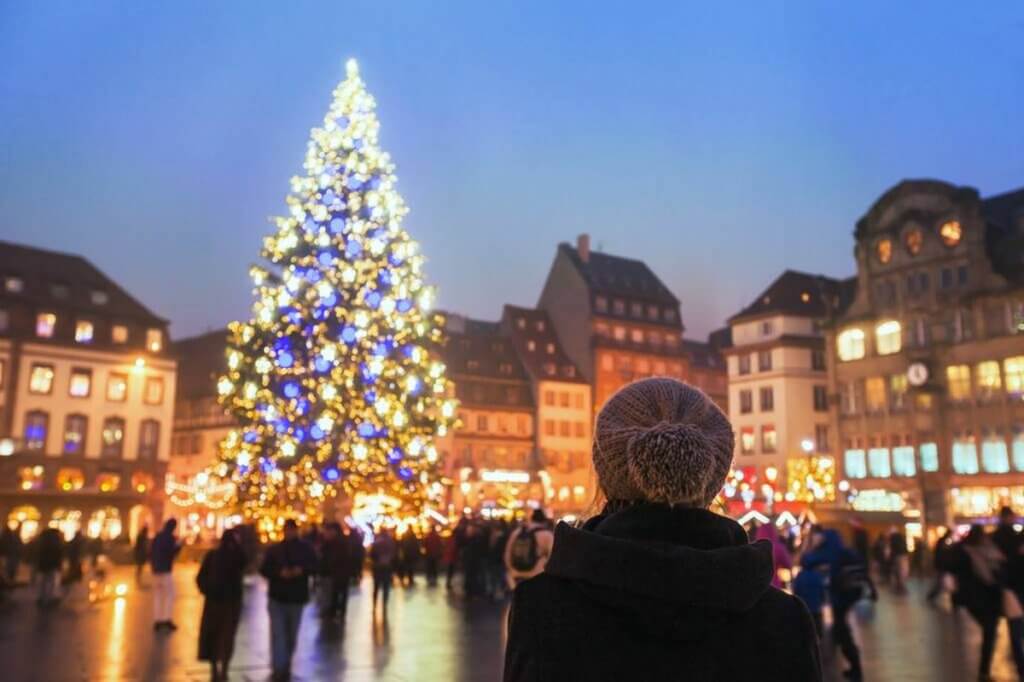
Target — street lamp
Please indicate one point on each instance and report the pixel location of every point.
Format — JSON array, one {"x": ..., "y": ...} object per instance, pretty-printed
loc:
[{"x": 807, "y": 445}]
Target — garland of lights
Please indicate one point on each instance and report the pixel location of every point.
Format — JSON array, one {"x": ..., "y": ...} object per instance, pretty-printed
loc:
[
  {"x": 335, "y": 381},
  {"x": 204, "y": 489}
]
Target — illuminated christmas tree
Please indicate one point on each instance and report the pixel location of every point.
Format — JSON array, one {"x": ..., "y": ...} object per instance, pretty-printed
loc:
[{"x": 335, "y": 380}]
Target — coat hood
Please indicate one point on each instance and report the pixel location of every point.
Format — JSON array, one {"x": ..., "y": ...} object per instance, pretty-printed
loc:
[{"x": 673, "y": 572}]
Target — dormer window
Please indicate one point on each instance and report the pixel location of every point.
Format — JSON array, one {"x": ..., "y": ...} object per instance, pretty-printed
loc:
[
  {"x": 636, "y": 310},
  {"x": 472, "y": 365},
  {"x": 669, "y": 315},
  {"x": 59, "y": 290},
  {"x": 14, "y": 285},
  {"x": 540, "y": 325},
  {"x": 83, "y": 331},
  {"x": 154, "y": 340},
  {"x": 883, "y": 249},
  {"x": 99, "y": 297},
  {"x": 531, "y": 345},
  {"x": 570, "y": 371},
  {"x": 951, "y": 233},
  {"x": 119, "y": 333},
  {"x": 550, "y": 349},
  {"x": 619, "y": 307},
  {"x": 913, "y": 239},
  {"x": 549, "y": 368},
  {"x": 45, "y": 325},
  {"x": 652, "y": 312},
  {"x": 601, "y": 304},
  {"x": 521, "y": 322}
]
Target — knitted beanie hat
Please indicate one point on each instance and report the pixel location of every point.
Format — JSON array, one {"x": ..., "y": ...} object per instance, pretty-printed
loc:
[{"x": 660, "y": 440}]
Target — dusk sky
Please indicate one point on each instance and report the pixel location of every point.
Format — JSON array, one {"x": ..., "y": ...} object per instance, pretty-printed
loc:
[{"x": 720, "y": 145}]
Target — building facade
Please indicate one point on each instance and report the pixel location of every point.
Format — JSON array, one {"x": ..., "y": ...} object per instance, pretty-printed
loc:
[
  {"x": 927, "y": 361},
  {"x": 86, "y": 398},
  {"x": 778, "y": 393}
]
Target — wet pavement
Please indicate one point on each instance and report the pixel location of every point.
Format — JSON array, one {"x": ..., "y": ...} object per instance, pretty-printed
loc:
[{"x": 429, "y": 635}]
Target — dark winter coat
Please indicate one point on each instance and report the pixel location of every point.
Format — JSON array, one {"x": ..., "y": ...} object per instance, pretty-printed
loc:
[
  {"x": 50, "y": 556},
  {"x": 655, "y": 594},
  {"x": 163, "y": 551},
  {"x": 336, "y": 558},
  {"x": 289, "y": 553}
]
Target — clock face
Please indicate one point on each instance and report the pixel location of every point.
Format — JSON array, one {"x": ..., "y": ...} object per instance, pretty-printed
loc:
[{"x": 917, "y": 374}]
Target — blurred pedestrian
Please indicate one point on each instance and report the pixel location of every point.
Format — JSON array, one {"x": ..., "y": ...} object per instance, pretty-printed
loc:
[
  {"x": 383, "y": 555},
  {"x": 941, "y": 562},
  {"x": 11, "y": 548},
  {"x": 496, "y": 574},
  {"x": 164, "y": 551},
  {"x": 900, "y": 558},
  {"x": 287, "y": 567},
  {"x": 335, "y": 569},
  {"x": 357, "y": 552},
  {"x": 140, "y": 552},
  {"x": 409, "y": 558},
  {"x": 433, "y": 552},
  {"x": 49, "y": 561},
  {"x": 657, "y": 587},
  {"x": 780, "y": 554},
  {"x": 220, "y": 582},
  {"x": 75, "y": 549},
  {"x": 882, "y": 554},
  {"x": 528, "y": 549}
]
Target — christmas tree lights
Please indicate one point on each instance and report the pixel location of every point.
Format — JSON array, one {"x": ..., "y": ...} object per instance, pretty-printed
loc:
[{"x": 335, "y": 381}]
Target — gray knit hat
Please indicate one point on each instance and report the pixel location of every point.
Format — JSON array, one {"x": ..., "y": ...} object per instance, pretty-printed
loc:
[{"x": 661, "y": 440}]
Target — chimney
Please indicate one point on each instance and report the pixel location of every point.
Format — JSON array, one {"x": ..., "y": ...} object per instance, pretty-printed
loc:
[{"x": 583, "y": 247}]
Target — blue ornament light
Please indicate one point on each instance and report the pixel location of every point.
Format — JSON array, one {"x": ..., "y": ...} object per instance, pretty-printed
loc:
[
  {"x": 285, "y": 359},
  {"x": 366, "y": 430},
  {"x": 291, "y": 389},
  {"x": 329, "y": 300},
  {"x": 329, "y": 198},
  {"x": 370, "y": 397},
  {"x": 310, "y": 225},
  {"x": 281, "y": 425},
  {"x": 353, "y": 248},
  {"x": 395, "y": 455},
  {"x": 373, "y": 299},
  {"x": 384, "y": 278},
  {"x": 321, "y": 364},
  {"x": 337, "y": 225},
  {"x": 325, "y": 258},
  {"x": 316, "y": 433},
  {"x": 353, "y": 183},
  {"x": 348, "y": 334},
  {"x": 250, "y": 436},
  {"x": 302, "y": 406},
  {"x": 300, "y": 434},
  {"x": 403, "y": 305},
  {"x": 405, "y": 473},
  {"x": 331, "y": 474}
]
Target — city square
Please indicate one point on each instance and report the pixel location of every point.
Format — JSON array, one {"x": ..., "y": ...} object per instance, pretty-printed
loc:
[{"x": 685, "y": 349}]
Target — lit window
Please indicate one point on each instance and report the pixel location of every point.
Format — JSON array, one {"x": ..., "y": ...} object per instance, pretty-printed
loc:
[
  {"x": 119, "y": 333},
  {"x": 117, "y": 387},
  {"x": 913, "y": 239},
  {"x": 888, "y": 338},
  {"x": 45, "y": 324},
  {"x": 951, "y": 233},
  {"x": 481, "y": 422},
  {"x": 41, "y": 379},
  {"x": 1018, "y": 448},
  {"x": 70, "y": 478},
  {"x": 149, "y": 438},
  {"x": 601, "y": 304},
  {"x": 531, "y": 345},
  {"x": 929, "y": 457},
  {"x": 1013, "y": 370},
  {"x": 670, "y": 315},
  {"x": 141, "y": 482},
  {"x": 875, "y": 398},
  {"x": 83, "y": 331},
  {"x": 855, "y": 464},
  {"x": 988, "y": 379},
  {"x": 636, "y": 335},
  {"x": 878, "y": 462},
  {"x": 619, "y": 307},
  {"x": 747, "y": 440},
  {"x": 898, "y": 391},
  {"x": 607, "y": 363},
  {"x": 769, "y": 438},
  {"x": 99, "y": 297},
  {"x": 36, "y": 425},
  {"x": 74, "y": 434},
  {"x": 619, "y": 333},
  {"x": 958, "y": 380},
  {"x": 903, "y": 463},
  {"x": 850, "y": 344},
  {"x": 108, "y": 481},
  {"x": 965, "y": 455},
  {"x": 636, "y": 309},
  {"x": 14, "y": 285},
  {"x": 652, "y": 312},
  {"x": 883, "y": 249},
  {"x": 154, "y": 340},
  {"x": 113, "y": 437},
  {"x": 81, "y": 383},
  {"x": 671, "y": 340},
  {"x": 31, "y": 478},
  {"x": 550, "y": 349},
  {"x": 994, "y": 457}
]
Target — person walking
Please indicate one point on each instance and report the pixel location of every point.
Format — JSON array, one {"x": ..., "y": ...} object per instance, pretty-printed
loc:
[
  {"x": 409, "y": 553},
  {"x": 220, "y": 582},
  {"x": 941, "y": 557},
  {"x": 900, "y": 558},
  {"x": 383, "y": 555},
  {"x": 433, "y": 552},
  {"x": 780, "y": 554},
  {"x": 528, "y": 549},
  {"x": 357, "y": 553},
  {"x": 657, "y": 587},
  {"x": 335, "y": 567},
  {"x": 165, "y": 550},
  {"x": 11, "y": 548},
  {"x": 75, "y": 550},
  {"x": 287, "y": 567},
  {"x": 140, "y": 552},
  {"x": 980, "y": 570},
  {"x": 49, "y": 560}
]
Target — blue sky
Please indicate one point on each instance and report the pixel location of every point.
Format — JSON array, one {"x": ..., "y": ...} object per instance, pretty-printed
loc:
[{"x": 720, "y": 144}]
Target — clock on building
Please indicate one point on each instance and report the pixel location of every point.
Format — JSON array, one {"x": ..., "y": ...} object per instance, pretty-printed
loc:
[{"x": 917, "y": 374}]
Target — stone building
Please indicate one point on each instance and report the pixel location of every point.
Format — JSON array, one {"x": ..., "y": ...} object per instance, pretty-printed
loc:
[
  {"x": 927, "y": 361},
  {"x": 86, "y": 398}
]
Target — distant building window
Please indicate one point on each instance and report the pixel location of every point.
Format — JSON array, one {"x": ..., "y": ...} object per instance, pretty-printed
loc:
[
  {"x": 70, "y": 478},
  {"x": 821, "y": 438},
  {"x": 601, "y": 304},
  {"x": 659, "y": 367},
  {"x": 850, "y": 344},
  {"x": 569, "y": 371},
  {"x": 564, "y": 429},
  {"x": 747, "y": 440},
  {"x": 619, "y": 306},
  {"x": 619, "y": 333},
  {"x": 14, "y": 285},
  {"x": 549, "y": 427},
  {"x": 995, "y": 458},
  {"x": 549, "y": 398},
  {"x": 505, "y": 368},
  {"x": 913, "y": 238},
  {"x": 540, "y": 325},
  {"x": 154, "y": 391},
  {"x": 820, "y": 399},
  {"x": 31, "y": 478},
  {"x": 961, "y": 275},
  {"x": 958, "y": 380},
  {"x": 472, "y": 365},
  {"x": 898, "y": 391},
  {"x": 81, "y": 382},
  {"x": 481, "y": 422},
  {"x": 580, "y": 429},
  {"x": 671, "y": 340},
  {"x": 988, "y": 380},
  {"x": 119, "y": 333},
  {"x": 550, "y": 369},
  {"x": 883, "y": 249},
  {"x": 669, "y": 315},
  {"x": 75, "y": 426},
  {"x": 652, "y": 312},
  {"x": 149, "y": 438},
  {"x": 59, "y": 290},
  {"x": 643, "y": 365},
  {"x": 965, "y": 455},
  {"x": 512, "y": 395},
  {"x": 767, "y": 399},
  {"x": 951, "y": 232},
  {"x": 99, "y": 297},
  {"x": 601, "y": 329},
  {"x": 5, "y": 320},
  {"x": 45, "y": 325},
  {"x": 769, "y": 438},
  {"x": 744, "y": 363},
  {"x": 40, "y": 381},
  {"x": 83, "y": 331},
  {"x": 117, "y": 387},
  {"x": 764, "y": 360},
  {"x": 746, "y": 401},
  {"x": 37, "y": 424},
  {"x": 521, "y": 322},
  {"x": 112, "y": 437},
  {"x": 563, "y": 398},
  {"x": 878, "y": 463},
  {"x": 636, "y": 309},
  {"x": 888, "y": 337},
  {"x": 1013, "y": 373},
  {"x": 903, "y": 463},
  {"x": 929, "y": 457},
  {"x": 818, "y": 360},
  {"x": 767, "y": 328},
  {"x": 946, "y": 278},
  {"x": 154, "y": 340},
  {"x": 875, "y": 394},
  {"x": 607, "y": 363},
  {"x": 531, "y": 345},
  {"x": 550, "y": 348},
  {"x": 636, "y": 335},
  {"x": 108, "y": 481}
]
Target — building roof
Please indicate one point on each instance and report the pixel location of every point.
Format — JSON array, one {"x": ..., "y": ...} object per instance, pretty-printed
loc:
[
  {"x": 617, "y": 276},
  {"x": 702, "y": 354},
  {"x": 81, "y": 285},
  {"x": 546, "y": 359},
  {"x": 484, "y": 365},
  {"x": 720, "y": 338},
  {"x": 1004, "y": 210},
  {"x": 201, "y": 360},
  {"x": 797, "y": 293}
]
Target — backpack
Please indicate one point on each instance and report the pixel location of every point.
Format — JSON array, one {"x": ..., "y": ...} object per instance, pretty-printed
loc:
[{"x": 524, "y": 554}]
